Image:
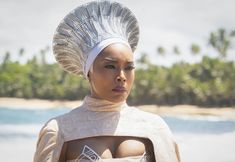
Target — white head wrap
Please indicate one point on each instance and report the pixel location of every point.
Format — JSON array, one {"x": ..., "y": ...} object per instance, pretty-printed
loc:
[{"x": 88, "y": 29}]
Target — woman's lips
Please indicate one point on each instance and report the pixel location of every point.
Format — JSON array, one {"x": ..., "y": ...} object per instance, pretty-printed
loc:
[{"x": 119, "y": 89}]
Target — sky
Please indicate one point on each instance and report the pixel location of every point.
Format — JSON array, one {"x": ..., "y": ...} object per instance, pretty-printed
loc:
[{"x": 30, "y": 24}]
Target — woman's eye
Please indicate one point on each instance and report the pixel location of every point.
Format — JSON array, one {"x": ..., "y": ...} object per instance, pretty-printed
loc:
[
  {"x": 129, "y": 68},
  {"x": 109, "y": 66}
]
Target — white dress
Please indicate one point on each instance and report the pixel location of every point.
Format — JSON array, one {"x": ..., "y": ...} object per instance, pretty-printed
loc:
[{"x": 102, "y": 118}]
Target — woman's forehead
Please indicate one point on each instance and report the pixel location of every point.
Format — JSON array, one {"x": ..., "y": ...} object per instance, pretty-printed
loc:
[
  {"x": 111, "y": 59},
  {"x": 116, "y": 52}
]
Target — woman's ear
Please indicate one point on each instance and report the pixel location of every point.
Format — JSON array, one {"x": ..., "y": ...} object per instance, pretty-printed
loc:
[
  {"x": 88, "y": 76},
  {"x": 89, "y": 73}
]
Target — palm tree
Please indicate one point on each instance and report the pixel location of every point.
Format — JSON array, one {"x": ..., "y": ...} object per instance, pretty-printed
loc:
[
  {"x": 161, "y": 50},
  {"x": 176, "y": 50},
  {"x": 221, "y": 41},
  {"x": 144, "y": 59},
  {"x": 43, "y": 53},
  {"x": 195, "y": 49},
  {"x": 6, "y": 57},
  {"x": 43, "y": 57},
  {"x": 21, "y": 53}
]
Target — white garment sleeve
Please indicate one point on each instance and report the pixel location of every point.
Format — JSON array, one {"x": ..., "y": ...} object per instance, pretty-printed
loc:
[{"x": 49, "y": 143}]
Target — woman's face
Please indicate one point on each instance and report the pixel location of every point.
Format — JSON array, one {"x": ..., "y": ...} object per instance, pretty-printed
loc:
[{"x": 113, "y": 73}]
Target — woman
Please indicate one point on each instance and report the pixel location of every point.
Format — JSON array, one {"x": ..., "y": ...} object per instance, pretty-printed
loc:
[{"x": 97, "y": 40}]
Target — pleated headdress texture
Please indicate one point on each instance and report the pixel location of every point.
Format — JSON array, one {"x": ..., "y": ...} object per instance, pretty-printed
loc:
[{"x": 87, "y": 26}]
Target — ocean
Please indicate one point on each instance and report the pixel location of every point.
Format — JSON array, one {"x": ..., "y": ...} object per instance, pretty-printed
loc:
[{"x": 20, "y": 128}]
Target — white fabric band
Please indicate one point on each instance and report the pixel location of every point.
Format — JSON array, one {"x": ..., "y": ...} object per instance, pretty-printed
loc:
[{"x": 98, "y": 48}]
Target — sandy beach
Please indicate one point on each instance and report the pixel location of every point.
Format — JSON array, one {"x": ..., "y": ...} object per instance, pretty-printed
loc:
[
  {"x": 178, "y": 110},
  {"x": 17, "y": 103}
]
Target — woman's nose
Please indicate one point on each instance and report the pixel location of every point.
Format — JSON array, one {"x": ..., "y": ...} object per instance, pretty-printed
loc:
[{"x": 121, "y": 77}]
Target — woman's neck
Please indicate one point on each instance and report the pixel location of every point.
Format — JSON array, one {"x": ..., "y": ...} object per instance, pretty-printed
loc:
[{"x": 94, "y": 104}]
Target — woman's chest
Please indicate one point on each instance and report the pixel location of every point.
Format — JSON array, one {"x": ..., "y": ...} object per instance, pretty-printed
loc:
[{"x": 106, "y": 147}]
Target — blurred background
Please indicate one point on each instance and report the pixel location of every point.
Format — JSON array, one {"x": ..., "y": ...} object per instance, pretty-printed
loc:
[{"x": 184, "y": 67}]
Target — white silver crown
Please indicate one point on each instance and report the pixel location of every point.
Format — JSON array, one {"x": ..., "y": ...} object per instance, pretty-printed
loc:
[{"x": 88, "y": 25}]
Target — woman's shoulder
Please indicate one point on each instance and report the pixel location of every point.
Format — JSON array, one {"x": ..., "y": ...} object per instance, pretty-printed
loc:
[
  {"x": 55, "y": 123},
  {"x": 67, "y": 116},
  {"x": 143, "y": 114},
  {"x": 47, "y": 144},
  {"x": 51, "y": 137},
  {"x": 146, "y": 117}
]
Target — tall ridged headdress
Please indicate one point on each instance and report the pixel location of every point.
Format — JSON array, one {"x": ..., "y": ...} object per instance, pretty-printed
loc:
[{"x": 88, "y": 29}]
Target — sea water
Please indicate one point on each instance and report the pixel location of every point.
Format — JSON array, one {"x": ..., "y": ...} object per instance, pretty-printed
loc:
[{"x": 25, "y": 123}]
